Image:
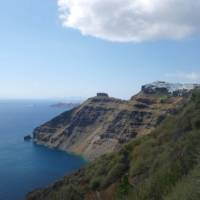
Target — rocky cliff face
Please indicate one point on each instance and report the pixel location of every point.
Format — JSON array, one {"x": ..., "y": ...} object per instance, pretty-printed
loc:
[
  {"x": 103, "y": 124},
  {"x": 156, "y": 166}
]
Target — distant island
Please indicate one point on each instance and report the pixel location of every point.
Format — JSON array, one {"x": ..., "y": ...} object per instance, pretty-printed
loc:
[{"x": 65, "y": 105}]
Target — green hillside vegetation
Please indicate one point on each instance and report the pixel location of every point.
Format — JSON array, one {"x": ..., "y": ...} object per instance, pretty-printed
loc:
[{"x": 163, "y": 165}]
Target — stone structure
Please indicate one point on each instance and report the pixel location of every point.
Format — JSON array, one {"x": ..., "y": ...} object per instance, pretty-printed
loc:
[{"x": 101, "y": 94}]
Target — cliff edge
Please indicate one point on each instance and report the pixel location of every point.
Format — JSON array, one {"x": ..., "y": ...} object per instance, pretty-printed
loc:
[{"x": 102, "y": 124}]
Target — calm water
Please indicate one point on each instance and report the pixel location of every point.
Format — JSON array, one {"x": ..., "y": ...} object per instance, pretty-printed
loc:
[{"x": 23, "y": 165}]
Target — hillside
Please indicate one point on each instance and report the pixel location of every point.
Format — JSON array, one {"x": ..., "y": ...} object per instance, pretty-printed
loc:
[
  {"x": 163, "y": 165},
  {"x": 103, "y": 124}
]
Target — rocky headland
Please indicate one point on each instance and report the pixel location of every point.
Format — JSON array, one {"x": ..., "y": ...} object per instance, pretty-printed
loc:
[{"x": 103, "y": 124}]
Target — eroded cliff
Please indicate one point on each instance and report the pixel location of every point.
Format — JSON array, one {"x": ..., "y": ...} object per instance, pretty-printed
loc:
[{"x": 102, "y": 124}]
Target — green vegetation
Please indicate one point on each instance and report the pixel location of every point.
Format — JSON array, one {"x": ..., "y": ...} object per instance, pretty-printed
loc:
[
  {"x": 164, "y": 165},
  {"x": 187, "y": 188}
]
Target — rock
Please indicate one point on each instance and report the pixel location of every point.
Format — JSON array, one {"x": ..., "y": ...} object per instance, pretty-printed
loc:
[
  {"x": 146, "y": 101},
  {"x": 27, "y": 137},
  {"x": 141, "y": 105}
]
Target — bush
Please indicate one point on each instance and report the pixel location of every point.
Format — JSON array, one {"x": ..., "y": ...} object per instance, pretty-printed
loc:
[
  {"x": 123, "y": 188},
  {"x": 95, "y": 183}
]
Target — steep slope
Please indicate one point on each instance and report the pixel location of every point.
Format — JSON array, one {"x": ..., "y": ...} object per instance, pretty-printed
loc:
[
  {"x": 103, "y": 124},
  {"x": 163, "y": 165}
]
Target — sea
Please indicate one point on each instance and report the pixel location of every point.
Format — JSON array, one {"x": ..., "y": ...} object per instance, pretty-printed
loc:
[{"x": 25, "y": 166}]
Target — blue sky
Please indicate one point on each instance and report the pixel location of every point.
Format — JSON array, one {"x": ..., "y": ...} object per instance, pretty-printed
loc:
[{"x": 40, "y": 58}]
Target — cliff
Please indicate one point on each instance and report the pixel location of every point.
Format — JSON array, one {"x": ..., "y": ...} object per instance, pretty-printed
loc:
[
  {"x": 103, "y": 124},
  {"x": 163, "y": 165}
]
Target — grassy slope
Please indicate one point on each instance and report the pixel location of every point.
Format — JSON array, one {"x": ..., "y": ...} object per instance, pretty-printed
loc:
[{"x": 161, "y": 166}]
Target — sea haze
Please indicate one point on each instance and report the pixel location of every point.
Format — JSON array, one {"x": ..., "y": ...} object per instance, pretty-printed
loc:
[{"x": 25, "y": 166}]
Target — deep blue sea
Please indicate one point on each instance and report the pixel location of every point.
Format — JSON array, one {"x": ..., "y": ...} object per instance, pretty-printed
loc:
[{"x": 25, "y": 166}]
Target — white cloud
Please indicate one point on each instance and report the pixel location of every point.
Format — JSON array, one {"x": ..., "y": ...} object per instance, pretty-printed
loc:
[
  {"x": 132, "y": 20},
  {"x": 191, "y": 77}
]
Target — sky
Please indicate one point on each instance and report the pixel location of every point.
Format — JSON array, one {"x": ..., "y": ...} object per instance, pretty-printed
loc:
[{"x": 62, "y": 49}]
